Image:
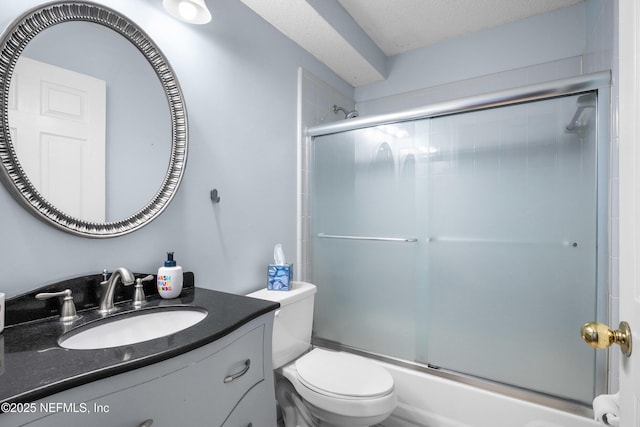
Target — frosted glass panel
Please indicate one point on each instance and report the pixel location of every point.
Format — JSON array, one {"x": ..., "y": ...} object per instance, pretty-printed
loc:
[
  {"x": 512, "y": 259},
  {"x": 465, "y": 242},
  {"x": 365, "y": 178}
]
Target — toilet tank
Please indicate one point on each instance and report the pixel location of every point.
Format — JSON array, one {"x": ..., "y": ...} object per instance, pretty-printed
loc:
[{"x": 293, "y": 320}]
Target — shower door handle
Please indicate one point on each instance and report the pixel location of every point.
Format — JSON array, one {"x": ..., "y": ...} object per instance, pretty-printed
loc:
[{"x": 599, "y": 335}]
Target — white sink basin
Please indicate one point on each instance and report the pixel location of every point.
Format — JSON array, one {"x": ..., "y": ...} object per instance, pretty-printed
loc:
[{"x": 131, "y": 329}]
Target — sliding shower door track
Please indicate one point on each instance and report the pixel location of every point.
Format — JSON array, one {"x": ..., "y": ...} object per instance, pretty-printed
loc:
[
  {"x": 518, "y": 95},
  {"x": 570, "y": 406}
]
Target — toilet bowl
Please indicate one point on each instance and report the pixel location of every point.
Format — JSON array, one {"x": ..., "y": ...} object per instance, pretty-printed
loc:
[
  {"x": 340, "y": 389},
  {"x": 318, "y": 387}
]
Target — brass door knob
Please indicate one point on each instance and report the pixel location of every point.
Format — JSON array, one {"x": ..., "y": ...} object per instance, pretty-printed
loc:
[{"x": 599, "y": 335}]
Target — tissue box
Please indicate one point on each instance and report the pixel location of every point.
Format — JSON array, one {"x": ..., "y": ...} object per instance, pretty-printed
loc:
[{"x": 279, "y": 277}]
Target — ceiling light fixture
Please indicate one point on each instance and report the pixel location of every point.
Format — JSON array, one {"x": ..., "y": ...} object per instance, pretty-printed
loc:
[{"x": 191, "y": 11}]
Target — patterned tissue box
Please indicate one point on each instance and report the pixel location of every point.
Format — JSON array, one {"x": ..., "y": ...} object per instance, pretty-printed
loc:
[{"x": 279, "y": 277}]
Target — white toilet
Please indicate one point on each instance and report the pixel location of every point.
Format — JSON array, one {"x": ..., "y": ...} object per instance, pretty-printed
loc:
[{"x": 322, "y": 388}]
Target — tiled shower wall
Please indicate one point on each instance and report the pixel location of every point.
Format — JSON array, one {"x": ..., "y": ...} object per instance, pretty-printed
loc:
[
  {"x": 315, "y": 106},
  {"x": 555, "y": 70}
]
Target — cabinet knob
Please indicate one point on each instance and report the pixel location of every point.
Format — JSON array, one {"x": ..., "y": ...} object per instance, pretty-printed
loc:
[{"x": 146, "y": 423}]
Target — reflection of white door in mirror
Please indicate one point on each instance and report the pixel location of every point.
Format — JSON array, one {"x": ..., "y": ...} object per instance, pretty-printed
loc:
[{"x": 58, "y": 120}]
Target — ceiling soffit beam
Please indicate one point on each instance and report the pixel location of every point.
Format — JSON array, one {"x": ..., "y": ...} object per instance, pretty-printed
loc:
[
  {"x": 333, "y": 12},
  {"x": 325, "y": 30}
]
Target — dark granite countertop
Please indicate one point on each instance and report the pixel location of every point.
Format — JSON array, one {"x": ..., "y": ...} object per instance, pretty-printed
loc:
[{"x": 35, "y": 366}]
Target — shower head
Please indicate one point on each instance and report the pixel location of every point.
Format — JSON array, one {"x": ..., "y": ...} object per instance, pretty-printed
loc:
[{"x": 347, "y": 114}]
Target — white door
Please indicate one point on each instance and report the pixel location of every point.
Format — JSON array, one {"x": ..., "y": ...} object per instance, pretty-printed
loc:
[
  {"x": 57, "y": 120},
  {"x": 629, "y": 157}
]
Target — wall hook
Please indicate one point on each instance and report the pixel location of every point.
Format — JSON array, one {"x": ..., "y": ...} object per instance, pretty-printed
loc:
[{"x": 215, "y": 198}]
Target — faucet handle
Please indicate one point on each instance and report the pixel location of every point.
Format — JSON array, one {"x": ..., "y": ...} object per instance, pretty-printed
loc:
[
  {"x": 68, "y": 310},
  {"x": 138, "y": 294},
  {"x": 144, "y": 279}
]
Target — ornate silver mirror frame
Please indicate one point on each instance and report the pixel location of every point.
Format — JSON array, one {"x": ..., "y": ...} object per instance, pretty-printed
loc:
[{"x": 13, "y": 42}]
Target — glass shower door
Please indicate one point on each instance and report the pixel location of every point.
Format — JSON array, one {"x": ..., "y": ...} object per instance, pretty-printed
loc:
[
  {"x": 364, "y": 249},
  {"x": 511, "y": 265},
  {"x": 466, "y": 242}
]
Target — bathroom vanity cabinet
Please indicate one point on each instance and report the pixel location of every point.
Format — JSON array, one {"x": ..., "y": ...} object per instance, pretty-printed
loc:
[{"x": 227, "y": 383}]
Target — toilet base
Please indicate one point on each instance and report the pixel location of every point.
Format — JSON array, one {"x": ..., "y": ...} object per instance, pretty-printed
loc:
[
  {"x": 293, "y": 411},
  {"x": 298, "y": 413},
  {"x": 328, "y": 419}
]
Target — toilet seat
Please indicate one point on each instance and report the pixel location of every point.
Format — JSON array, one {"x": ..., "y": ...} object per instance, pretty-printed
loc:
[
  {"x": 376, "y": 400},
  {"x": 342, "y": 375}
]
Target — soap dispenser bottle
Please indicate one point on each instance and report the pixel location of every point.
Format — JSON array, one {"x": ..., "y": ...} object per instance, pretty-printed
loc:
[{"x": 170, "y": 278}]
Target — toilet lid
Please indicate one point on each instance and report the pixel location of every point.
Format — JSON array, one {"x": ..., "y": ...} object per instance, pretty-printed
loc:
[{"x": 343, "y": 374}]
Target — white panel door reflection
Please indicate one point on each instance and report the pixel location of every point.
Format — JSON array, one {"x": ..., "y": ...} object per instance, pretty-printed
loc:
[{"x": 57, "y": 120}]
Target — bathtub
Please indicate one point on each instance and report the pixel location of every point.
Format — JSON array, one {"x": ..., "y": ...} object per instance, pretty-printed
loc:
[{"x": 426, "y": 400}]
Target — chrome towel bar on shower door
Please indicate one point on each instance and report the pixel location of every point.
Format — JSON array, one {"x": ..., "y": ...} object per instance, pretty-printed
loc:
[
  {"x": 445, "y": 240},
  {"x": 377, "y": 239}
]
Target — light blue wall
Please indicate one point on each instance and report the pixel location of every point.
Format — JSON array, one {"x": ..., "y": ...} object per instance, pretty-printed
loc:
[
  {"x": 239, "y": 79},
  {"x": 539, "y": 39}
]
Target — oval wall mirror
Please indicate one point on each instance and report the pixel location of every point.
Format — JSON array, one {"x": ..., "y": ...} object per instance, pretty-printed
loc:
[{"x": 93, "y": 140}]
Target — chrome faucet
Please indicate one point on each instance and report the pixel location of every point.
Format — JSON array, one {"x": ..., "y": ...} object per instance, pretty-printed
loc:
[{"x": 106, "y": 302}]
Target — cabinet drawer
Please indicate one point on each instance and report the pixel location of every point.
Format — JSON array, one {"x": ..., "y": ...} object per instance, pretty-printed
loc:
[
  {"x": 256, "y": 409},
  {"x": 233, "y": 371}
]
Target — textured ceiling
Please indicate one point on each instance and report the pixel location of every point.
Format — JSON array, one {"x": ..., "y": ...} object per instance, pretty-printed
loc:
[
  {"x": 397, "y": 26},
  {"x": 390, "y": 27}
]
